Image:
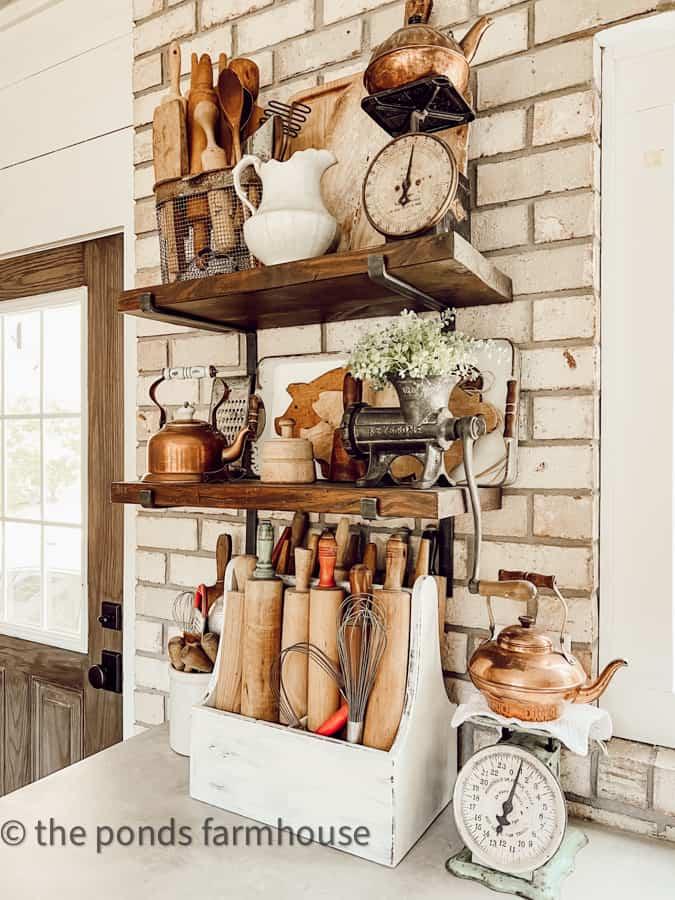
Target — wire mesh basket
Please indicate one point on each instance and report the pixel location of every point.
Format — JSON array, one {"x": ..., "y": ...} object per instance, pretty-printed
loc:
[{"x": 201, "y": 221}]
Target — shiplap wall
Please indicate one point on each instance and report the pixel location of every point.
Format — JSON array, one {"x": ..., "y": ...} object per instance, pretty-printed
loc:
[{"x": 66, "y": 154}]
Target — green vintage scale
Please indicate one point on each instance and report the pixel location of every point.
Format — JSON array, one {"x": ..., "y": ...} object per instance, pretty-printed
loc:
[{"x": 510, "y": 812}]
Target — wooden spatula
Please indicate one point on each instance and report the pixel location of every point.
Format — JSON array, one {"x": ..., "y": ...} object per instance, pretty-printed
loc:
[{"x": 169, "y": 127}]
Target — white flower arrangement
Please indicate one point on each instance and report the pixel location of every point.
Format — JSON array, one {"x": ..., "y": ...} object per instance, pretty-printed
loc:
[{"x": 412, "y": 347}]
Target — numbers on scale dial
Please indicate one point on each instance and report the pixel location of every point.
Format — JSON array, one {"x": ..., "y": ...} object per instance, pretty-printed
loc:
[
  {"x": 509, "y": 809},
  {"x": 410, "y": 185}
]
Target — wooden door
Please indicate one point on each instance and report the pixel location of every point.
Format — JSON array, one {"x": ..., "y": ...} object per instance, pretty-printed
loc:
[{"x": 50, "y": 715}]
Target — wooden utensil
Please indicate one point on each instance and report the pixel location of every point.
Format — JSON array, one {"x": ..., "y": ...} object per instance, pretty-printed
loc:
[
  {"x": 169, "y": 126},
  {"x": 223, "y": 556},
  {"x": 228, "y": 686},
  {"x": 427, "y": 564},
  {"x": 262, "y": 635},
  {"x": 248, "y": 74},
  {"x": 388, "y": 695},
  {"x": 231, "y": 99},
  {"x": 342, "y": 541},
  {"x": 279, "y": 546},
  {"x": 323, "y": 696},
  {"x": 201, "y": 90},
  {"x": 370, "y": 558},
  {"x": 288, "y": 459},
  {"x": 298, "y": 531},
  {"x": 206, "y": 116},
  {"x": 295, "y": 629},
  {"x": 313, "y": 546}
]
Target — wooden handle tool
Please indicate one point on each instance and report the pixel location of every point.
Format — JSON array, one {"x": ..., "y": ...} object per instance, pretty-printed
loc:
[
  {"x": 512, "y": 590},
  {"x": 344, "y": 467},
  {"x": 370, "y": 558},
  {"x": 228, "y": 686},
  {"x": 201, "y": 90},
  {"x": 313, "y": 545},
  {"x": 231, "y": 98},
  {"x": 206, "y": 116},
  {"x": 427, "y": 564},
  {"x": 385, "y": 706},
  {"x": 169, "y": 127},
  {"x": 223, "y": 555},
  {"x": 323, "y": 696},
  {"x": 262, "y": 633},
  {"x": 279, "y": 547},
  {"x": 298, "y": 531},
  {"x": 295, "y": 629},
  {"x": 342, "y": 540}
]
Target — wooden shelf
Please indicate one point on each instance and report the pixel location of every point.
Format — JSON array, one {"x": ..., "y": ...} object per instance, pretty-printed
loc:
[
  {"x": 331, "y": 288},
  {"x": 321, "y": 497}
]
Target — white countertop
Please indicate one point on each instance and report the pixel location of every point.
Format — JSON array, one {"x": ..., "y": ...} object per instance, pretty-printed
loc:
[{"x": 142, "y": 782}]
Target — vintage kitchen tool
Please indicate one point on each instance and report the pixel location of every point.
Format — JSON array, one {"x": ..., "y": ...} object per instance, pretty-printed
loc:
[
  {"x": 214, "y": 593},
  {"x": 523, "y": 676},
  {"x": 323, "y": 696},
  {"x": 292, "y": 117},
  {"x": 295, "y": 629},
  {"x": 362, "y": 638},
  {"x": 382, "y": 434},
  {"x": 385, "y": 706},
  {"x": 342, "y": 541},
  {"x": 299, "y": 526},
  {"x": 321, "y": 661},
  {"x": 169, "y": 126},
  {"x": 188, "y": 449},
  {"x": 287, "y": 460},
  {"x": 239, "y": 407},
  {"x": 313, "y": 545},
  {"x": 201, "y": 91},
  {"x": 427, "y": 564},
  {"x": 292, "y": 221},
  {"x": 344, "y": 467},
  {"x": 418, "y": 51},
  {"x": 262, "y": 634},
  {"x": 248, "y": 74},
  {"x": 228, "y": 686},
  {"x": 206, "y": 117},
  {"x": 370, "y": 558},
  {"x": 279, "y": 546},
  {"x": 231, "y": 99},
  {"x": 186, "y": 617},
  {"x": 510, "y": 812}
]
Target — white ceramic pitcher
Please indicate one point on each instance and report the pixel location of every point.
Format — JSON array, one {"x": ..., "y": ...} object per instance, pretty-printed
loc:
[{"x": 292, "y": 221}]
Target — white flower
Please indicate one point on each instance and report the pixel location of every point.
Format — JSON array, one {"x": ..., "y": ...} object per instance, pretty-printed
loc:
[{"x": 412, "y": 347}]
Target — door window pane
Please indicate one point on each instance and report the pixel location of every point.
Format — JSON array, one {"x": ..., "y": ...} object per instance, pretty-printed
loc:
[
  {"x": 24, "y": 573},
  {"x": 42, "y": 469},
  {"x": 22, "y": 362},
  {"x": 62, "y": 339},
  {"x": 63, "y": 470},
  {"x": 63, "y": 567},
  {"x": 22, "y": 468}
]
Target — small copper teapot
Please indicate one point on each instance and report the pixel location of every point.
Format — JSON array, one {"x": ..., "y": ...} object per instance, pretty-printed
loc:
[
  {"x": 418, "y": 51},
  {"x": 522, "y": 675},
  {"x": 188, "y": 450}
]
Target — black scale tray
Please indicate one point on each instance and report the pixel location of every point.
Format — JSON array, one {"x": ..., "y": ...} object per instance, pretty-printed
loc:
[{"x": 430, "y": 104}]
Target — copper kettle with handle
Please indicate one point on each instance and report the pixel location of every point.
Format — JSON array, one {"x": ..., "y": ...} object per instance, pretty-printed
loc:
[
  {"x": 520, "y": 673},
  {"x": 189, "y": 450}
]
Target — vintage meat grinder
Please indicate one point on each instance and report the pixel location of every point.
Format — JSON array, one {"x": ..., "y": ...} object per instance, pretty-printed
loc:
[{"x": 382, "y": 434}]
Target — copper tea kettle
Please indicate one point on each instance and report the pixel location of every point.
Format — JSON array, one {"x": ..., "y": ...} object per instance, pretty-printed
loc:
[
  {"x": 419, "y": 50},
  {"x": 189, "y": 450},
  {"x": 522, "y": 675}
]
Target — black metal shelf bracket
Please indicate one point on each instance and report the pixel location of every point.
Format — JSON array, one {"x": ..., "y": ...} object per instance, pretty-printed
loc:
[
  {"x": 174, "y": 317},
  {"x": 378, "y": 274}
]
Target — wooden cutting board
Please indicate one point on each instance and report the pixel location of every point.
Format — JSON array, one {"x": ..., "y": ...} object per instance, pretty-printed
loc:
[
  {"x": 338, "y": 123},
  {"x": 169, "y": 127}
]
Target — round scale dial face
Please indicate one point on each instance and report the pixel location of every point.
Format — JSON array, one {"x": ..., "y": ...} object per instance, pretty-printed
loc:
[
  {"x": 509, "y": 809},
  {"x": 410, "y": 185}
]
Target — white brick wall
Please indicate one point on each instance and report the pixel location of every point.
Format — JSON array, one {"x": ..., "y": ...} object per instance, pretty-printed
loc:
[{"x": 535, "y": 166}]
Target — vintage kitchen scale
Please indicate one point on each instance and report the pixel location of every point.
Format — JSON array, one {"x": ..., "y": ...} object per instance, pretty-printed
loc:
[
  {"x": 510, "y": 812},
  {"x": 416, "y": 81}
]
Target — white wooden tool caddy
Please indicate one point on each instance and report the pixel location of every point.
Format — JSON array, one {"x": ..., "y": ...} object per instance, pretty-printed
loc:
[{"x": 269, "y": 772}]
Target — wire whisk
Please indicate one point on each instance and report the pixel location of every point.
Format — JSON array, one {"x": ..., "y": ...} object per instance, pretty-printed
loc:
[
  {"x": 361, "y": 640},
  {"x": 286, "y": 710},
  {"x": 185, "y": 616}
]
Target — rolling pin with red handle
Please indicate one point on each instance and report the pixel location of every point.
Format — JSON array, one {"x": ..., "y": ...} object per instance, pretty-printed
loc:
[
  {"x": 262, "y": 633},
  {"x": 323, "y": 696},
  {"x": 385, "y": 706}
]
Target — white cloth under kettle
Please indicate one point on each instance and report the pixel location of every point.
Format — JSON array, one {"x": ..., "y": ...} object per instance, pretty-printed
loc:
[{"x": 579, "y": 724}]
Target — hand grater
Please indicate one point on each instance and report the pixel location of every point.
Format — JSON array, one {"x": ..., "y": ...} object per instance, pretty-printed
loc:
[{"x": 233, "y": 415}]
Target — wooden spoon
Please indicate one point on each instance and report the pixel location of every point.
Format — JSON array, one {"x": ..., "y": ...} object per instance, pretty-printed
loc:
[
  {"x": 248, "y": 73},
  {"x": 231, "y": 98}
]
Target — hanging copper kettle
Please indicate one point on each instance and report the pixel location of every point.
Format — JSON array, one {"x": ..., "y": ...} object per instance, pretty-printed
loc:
[
  {"x": 418, "y": 51},
  {"x": 188, "y": 450},
  {"x": 523, "y": 676}
]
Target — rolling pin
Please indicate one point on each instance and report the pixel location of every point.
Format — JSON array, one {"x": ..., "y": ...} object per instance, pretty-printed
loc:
[
  {"x": 313, "y": 545},
  {"x": 370, "y": 558},
  {"x": 295, "y": 629},
  {"x": 342, "y": 541},
  {"x": 228, "y": 686},
  {"x": 298, "y": 531},
  {"x": 262, "y": 633},
  {"x": 385, "y": 706},
  {"x": 323, "y": 696}
]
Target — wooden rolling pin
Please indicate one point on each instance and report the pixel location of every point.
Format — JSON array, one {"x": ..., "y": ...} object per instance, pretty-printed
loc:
[
  {"x": 298, "y": 531},
  {"x": 295, "y": 629},
  {"x": 323, "y": 696},
  {"x": 342, "y": 541},
  {"x": 228, "y": 686},
  {"x": 385, "y": 706},
  {"x": 370, "y": 558},
  {"x": 313, "y": 545},
  {"x": 262, "y": 633},
  {"x": 169, "y": 126}
]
